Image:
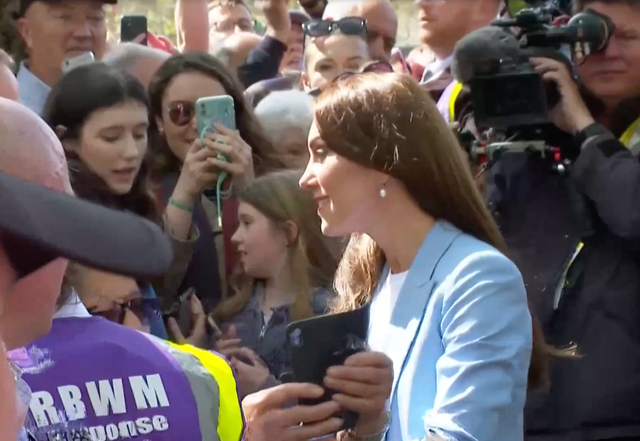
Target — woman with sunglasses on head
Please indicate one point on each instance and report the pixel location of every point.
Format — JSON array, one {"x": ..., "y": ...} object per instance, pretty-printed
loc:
[
  {"x": 448, "y": 309},
  {"x": 186, "y": 166},
  {"x": 333, "y": 48}
]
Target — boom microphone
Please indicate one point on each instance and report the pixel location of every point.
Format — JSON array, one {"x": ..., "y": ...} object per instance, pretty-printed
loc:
[{"x": 484, "y": 52}]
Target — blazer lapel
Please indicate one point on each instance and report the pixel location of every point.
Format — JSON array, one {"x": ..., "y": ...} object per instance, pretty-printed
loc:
[{"x": 409, "y": 309}]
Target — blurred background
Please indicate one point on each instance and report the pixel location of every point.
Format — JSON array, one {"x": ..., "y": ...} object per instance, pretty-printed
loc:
[{"x": 160, "y": 18}]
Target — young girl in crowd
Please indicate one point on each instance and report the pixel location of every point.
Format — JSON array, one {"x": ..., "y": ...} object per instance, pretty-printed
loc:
[
  {"x": 101, "y": 116},
  {"x": 184, "y": 170},
  {"x": 285, "y": 272}
]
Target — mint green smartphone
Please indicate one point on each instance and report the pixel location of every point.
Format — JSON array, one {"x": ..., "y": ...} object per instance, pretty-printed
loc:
[{"x": 215, "y": 110}]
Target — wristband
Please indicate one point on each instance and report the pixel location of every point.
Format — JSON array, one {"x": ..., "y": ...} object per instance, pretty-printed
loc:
[{"x": 184, "y": 207}]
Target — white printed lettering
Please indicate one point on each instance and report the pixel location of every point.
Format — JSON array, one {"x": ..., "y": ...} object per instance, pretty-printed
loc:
[
  {"x": 127, "y": 429},
  {"x": 144, "y": 426},
  {"x": 72, "y": 400},
  {"x": 107, "y": 397},
  {"x": 148, "y": 393},
  {"x": 41, "y": 406},
  {"x": 98, "y": 433},
  {"x": 112, "y": 432},
  {"x": 160, "y": 423}
]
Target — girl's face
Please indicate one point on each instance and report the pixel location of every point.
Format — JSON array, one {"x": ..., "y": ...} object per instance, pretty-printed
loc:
[
  {"x": 263, "y": 248},
  {"x": 178, "y": 123},
  {"x": 113, "y": 143},
  {"x": 116, "y": 298}
]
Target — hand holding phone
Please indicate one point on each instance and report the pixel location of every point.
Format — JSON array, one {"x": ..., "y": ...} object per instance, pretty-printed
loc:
[{"x": 133, "y": 28}]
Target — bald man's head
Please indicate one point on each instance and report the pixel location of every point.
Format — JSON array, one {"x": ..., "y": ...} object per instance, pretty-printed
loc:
[
  {"x": 140, "y": 61},
  {"x": 382, "y": 22},
  {"x": 31, "y": 151},
  {"x": 234, "y": 50}
]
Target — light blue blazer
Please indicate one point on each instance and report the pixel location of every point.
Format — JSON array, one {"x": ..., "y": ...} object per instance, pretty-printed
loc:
[{"x": 460, "y": 339}]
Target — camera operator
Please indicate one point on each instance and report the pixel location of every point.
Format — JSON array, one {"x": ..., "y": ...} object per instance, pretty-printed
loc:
[{"x": 597, "y": 302}]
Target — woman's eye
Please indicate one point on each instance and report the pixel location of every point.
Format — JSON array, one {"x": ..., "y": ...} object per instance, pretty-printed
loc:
[
  {"x": 140, "y": 136},
  {"x": 110, "y": 139}
]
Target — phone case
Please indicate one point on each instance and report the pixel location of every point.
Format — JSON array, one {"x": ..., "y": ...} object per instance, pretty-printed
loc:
[
  {"x": 318, "y": 343},
  {"x": 131, "y": 26},
  {"x": 80, "y": 60},
  {"x": 215, "y": 110}
]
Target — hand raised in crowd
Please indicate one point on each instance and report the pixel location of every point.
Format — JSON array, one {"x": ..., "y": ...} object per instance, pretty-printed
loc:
[
  {"x": 571, "y": 113},
  {"x": 276, "y": 12},
  {"x": 363, "y": 385},
  {"x": 227, "y": 343},
  {"x": 252, "y": 373},
  {"x": 267, "y": 419},
  {"x": 198, "y": 335}
]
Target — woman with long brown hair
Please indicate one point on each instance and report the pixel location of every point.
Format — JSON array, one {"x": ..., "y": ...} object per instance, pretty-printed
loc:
[{"x": 448, "y": 309}]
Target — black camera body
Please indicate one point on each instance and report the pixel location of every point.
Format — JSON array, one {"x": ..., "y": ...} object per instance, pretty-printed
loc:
[{"x": 512, "y": 94}]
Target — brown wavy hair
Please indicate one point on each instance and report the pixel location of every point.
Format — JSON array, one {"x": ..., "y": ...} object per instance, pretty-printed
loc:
[
  {"x": 387, "y": 122},
  {"x": 164, "y": 161},
  {"x": 312, "y": 256}
]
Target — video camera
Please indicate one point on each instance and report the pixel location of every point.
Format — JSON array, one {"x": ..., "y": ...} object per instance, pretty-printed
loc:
[{"x": 507, "y": 95}]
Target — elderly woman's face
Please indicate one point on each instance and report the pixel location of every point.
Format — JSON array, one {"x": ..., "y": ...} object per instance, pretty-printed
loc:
[{"x": 291, "y": 148}]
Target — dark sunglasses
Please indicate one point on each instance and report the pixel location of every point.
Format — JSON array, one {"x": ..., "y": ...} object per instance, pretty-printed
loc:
[
  {"x": 378, "y": 66},
  {"x": 181, "y": 112},
  {"x": 347, "y": 25},
  {"x": 143, "y": 309}
]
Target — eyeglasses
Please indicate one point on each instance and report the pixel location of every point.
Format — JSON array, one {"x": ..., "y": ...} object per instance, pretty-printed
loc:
[
  {"x": 143, "y": 309},
  {"x": 347, "y": 25},
  {"x": 377, "y": 66},
  {"x": 181, "y": 112}
]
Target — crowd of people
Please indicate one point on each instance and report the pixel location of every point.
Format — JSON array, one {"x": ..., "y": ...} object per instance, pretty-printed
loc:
[{"x": 140, "y": 301}]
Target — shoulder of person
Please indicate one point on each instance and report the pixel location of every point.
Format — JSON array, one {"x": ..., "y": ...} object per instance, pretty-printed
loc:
[{"x": 473, "y": 267}]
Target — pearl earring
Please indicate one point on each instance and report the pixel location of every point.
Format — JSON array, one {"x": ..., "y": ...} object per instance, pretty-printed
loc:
[{"x": 383, "y": 193}]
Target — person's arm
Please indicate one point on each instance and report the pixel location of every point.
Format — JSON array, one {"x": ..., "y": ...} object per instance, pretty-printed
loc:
[
  {"x": 609, "y": 175},
  {"x": 192, "y": 25},
  {"x": 263, "y": 62},
  {"x": 487, "y": 338}
]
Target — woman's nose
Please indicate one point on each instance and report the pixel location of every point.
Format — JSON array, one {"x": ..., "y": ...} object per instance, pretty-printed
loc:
[{"x": 307, "y": 180}]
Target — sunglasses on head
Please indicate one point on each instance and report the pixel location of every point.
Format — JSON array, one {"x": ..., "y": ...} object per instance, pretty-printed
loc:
[
  {"x": 347, "y": 26},
  {"x": 378, "y": 66},
  {"x": 181, "y": 112}
]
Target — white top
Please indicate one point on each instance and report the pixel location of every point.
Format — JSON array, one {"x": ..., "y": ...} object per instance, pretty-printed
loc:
[
  {"x": 435, "y": 70},
  {"x": 386, "y": 300},
  {"x": 72, "y": 308}
]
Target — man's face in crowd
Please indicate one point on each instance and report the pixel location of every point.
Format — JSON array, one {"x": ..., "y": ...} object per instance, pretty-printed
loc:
[
  {"x": 55, "y": 32},
  {"x": 292, "y": 59},
  {"x": 613, "y": 75},
  {"x": 382, "y": 27},
  {"x": 227, "y": 19},
  {"x": 444, "y": 22},
  {"x": 329, "y": 57}
]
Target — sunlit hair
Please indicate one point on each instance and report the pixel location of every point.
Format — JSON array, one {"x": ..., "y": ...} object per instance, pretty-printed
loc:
[
  {"x": 164, "y": 161},
  {"x": 313, "y": 257},
  {"x": 387, "y": 122}
]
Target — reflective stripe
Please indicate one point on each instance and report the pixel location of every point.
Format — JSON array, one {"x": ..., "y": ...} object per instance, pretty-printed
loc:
[
  {"x": 629, "y": 139},
  {"x": 631, "y": 134},
  {"x": 452, "y": 101},
  {"x": 230, "y": 419}
]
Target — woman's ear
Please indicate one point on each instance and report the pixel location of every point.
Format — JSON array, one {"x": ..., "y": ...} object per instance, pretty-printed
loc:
[
  {"x": 291, "y": 231},
  {"x": 305, "y": 81},
  {"x": 160, "y": 125}
]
